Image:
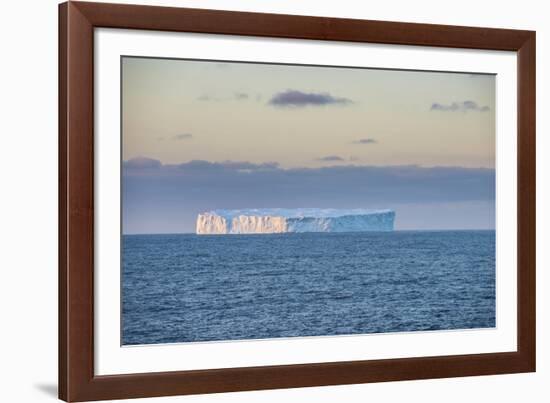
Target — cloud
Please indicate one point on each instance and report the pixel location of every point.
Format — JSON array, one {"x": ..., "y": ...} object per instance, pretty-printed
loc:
[
  {"x": 239, "y": 166},
  {"x": 243, "y": 165},
  {"x": 141, "y": 163},
  {"x": 408, "y": 183},
  {"x": 365, "y": 141},
  {"x": 169, "y": 197},
  {"x": 295, "y": 98},
  {"x": 330, "y": 158},
  {"x": 464, "y": 106},
  {"x": 183, "y": 136}
]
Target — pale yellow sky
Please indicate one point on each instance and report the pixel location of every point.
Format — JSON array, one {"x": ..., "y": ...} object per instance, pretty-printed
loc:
[{"x": 178, "y": 110}]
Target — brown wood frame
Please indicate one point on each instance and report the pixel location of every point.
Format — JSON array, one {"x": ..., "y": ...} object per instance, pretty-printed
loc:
[{"x": 77, "y": 381}]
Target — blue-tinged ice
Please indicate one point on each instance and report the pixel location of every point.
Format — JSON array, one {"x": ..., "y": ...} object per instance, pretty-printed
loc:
[{"x": 279, "y": 220}]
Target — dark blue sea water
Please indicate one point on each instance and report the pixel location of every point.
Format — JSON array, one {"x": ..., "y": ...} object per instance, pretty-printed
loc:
[{"x": 183, "y": 288}]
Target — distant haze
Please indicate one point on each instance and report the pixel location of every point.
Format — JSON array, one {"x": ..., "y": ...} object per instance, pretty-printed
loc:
[{"x": 199, "y": 136}]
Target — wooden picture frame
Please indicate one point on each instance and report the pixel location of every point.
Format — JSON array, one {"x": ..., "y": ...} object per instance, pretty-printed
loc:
[{"x": 77, "y": 381}]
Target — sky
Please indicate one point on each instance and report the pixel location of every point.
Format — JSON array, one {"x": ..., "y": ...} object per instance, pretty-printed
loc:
[{"x": 201, "y": 135}]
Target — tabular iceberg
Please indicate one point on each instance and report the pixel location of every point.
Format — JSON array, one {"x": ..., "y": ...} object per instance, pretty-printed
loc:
[{"x": 277, "y": 220}]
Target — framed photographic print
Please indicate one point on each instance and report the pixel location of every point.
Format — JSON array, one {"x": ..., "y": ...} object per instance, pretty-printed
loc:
[{"x": 256, "y": 201}]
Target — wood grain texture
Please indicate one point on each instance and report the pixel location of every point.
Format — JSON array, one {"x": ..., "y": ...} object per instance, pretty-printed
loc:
[
  {"x": 76, "y": 210},
  {"x": 299, "y": 27},
  {"x": 527, "y": 200},
  {"x": 62, "y": 205},
  {"x": 77, "y": 381}
]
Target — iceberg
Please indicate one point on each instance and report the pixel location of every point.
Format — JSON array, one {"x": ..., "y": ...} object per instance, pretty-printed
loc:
[{"x": 278, "y": 220}]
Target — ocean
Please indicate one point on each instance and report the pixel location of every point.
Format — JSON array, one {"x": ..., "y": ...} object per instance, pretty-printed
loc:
[{"x": 191, "y": 288}]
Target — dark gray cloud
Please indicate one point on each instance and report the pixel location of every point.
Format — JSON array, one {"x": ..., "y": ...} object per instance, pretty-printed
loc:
[
  {"x": 464, "y": 106},
  {"x": 330, "y": 158},
  {"x": 167, "y": 198},
  {"x": 365, "y": 141},
  {"x": 182, "y": 136},
  {"x": 142, "y": 163},
  {"x": 295, "y": 98}
]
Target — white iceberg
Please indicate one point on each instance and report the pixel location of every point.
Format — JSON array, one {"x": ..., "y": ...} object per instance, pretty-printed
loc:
[{"x": 278, "y": 220}]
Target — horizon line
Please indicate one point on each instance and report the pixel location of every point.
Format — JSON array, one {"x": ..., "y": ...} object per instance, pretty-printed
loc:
[
  {"x": 348, "y": 232},
  {"x": 278, "y": 166}
]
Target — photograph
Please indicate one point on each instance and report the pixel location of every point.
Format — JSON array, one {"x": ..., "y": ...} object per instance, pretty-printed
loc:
[
  {"x": 275, "y": 201},
  {"x": 265, "y": 201}
]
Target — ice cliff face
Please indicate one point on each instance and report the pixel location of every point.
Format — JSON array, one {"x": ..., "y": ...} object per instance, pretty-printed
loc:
[{"x": 271, "y": 221}]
